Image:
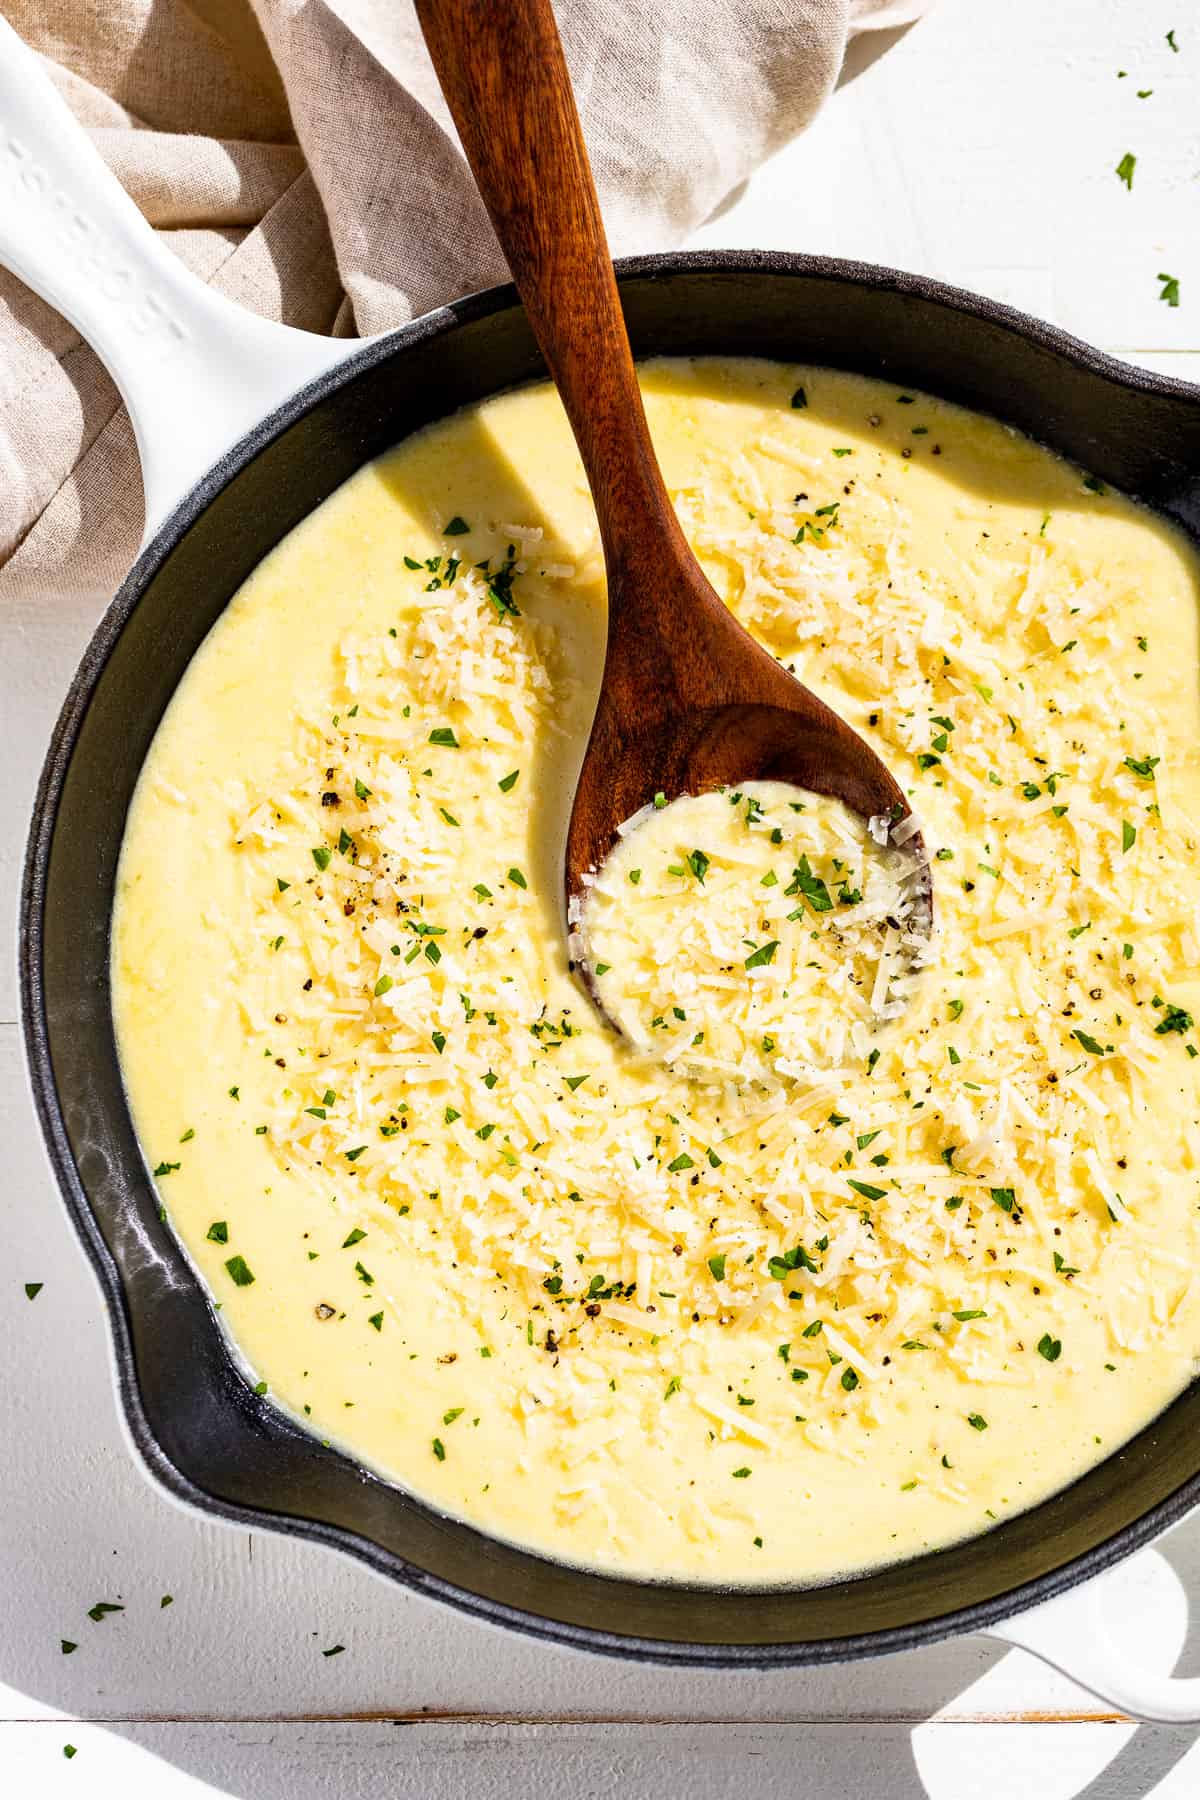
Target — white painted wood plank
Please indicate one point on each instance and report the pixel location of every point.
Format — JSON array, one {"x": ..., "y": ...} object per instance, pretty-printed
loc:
[{"x": 449, "y": 1760}]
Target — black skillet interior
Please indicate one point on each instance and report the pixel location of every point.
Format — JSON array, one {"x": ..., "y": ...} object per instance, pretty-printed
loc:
[{"x": 196, "y": 1421}]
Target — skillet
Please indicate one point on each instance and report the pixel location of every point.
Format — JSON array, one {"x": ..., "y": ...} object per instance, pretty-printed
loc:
[{"x": 254, "y": 425}]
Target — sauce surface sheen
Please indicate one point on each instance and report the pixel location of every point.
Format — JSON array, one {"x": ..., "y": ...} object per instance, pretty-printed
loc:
[{"x": 768, "y": 1326}]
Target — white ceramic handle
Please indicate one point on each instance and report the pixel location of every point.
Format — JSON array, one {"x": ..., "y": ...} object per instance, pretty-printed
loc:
[
  {"x": 195, "y": 370},
  {"x": 1073, "y": 1636}
]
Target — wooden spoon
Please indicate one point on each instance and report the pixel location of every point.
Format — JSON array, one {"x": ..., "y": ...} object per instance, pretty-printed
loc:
[{"x": 689, "y": 702}]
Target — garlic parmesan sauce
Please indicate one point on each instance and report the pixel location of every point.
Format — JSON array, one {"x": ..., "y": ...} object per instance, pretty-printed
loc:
[{"x": 802, "y": 1296}]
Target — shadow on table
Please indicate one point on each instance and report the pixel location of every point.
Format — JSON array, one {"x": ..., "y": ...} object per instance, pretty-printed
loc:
[
  {"x": 861, "y": 54},
  {"x": 866, "y": 49}
]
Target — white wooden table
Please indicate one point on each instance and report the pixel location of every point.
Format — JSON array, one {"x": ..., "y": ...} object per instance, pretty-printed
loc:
[{"x": 982, "y": 148}]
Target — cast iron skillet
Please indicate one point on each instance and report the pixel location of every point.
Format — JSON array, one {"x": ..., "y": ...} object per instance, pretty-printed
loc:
[
  {"x": 202, "y": 1431},
  {"x": 205, "y": 1434}
]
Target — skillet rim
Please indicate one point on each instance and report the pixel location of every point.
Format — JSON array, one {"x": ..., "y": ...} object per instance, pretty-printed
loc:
[{"x": 976, "y": 1617}]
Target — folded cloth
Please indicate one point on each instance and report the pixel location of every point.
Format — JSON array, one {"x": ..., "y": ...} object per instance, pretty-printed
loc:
[{"x": 298, "y": 155}]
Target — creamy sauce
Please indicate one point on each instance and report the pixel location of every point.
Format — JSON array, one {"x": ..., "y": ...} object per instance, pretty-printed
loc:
[{"x": 690, "y": 1324}]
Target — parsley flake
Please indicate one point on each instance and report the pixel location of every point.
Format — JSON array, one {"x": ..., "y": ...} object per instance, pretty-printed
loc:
[{"x": 758, "y": 959}]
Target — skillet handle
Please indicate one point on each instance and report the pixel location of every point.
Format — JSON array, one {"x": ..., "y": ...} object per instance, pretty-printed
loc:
[
  {"x": 1072, "y": 1634},
  {"x": 195, "y": 370}
]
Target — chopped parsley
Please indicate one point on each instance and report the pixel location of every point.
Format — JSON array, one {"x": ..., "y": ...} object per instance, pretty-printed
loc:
[
  {"x": 1174, "y": 1018},
  {"x": 811, "y": 886},
  {"x": 758, "y": 959},
  {"x": 780, "y": 1267},
  {"x": 866, "y": 1190}
]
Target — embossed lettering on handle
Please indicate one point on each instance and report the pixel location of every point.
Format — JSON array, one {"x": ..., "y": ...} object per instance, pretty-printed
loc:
[{"x": 101, "y": 264}]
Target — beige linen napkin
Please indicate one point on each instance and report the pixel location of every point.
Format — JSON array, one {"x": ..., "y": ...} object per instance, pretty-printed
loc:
[{"x": 299, "y": 156}]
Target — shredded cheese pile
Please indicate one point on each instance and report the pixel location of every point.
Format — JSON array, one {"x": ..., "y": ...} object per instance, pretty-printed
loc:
[{"x": 756, "y": 934}]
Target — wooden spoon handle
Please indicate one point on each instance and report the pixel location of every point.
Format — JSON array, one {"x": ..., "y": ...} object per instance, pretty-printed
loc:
[{"x": 502, "y": 69}]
